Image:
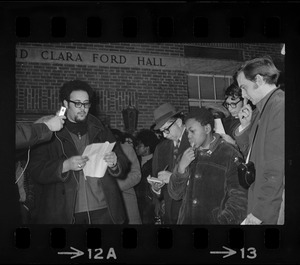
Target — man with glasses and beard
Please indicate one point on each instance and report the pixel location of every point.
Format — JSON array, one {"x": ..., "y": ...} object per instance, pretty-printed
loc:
[
  {"x": 64, "y": 195},
  {"x": 170, "y": 123}
]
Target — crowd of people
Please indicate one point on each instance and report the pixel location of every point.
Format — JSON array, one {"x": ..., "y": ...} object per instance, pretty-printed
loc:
[{"x": 199, "y": 175}]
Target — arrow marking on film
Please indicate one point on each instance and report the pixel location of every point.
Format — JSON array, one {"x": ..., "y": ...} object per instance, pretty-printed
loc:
[
  {"x": 77, "y": 253},
  {"x": 229, "y": 252}
]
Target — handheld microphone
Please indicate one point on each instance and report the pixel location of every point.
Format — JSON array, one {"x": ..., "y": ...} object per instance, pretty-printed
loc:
[{"x": 62, "y": 111}]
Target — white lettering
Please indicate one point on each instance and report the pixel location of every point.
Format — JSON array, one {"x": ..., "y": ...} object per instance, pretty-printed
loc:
[
  {"x": 98, "y": 252},
  {"x": 98, "y": 255},
  {"x": 111, "y": 254}
]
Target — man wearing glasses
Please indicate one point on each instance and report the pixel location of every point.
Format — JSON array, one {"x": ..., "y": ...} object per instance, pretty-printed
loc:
[
  {"x": 65, "y": 195},
  {"x": 233, "y": 103},
  {"x": 170, "y": 123}
]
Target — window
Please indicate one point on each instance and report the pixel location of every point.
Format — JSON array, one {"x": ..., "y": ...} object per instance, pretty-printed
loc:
[{"x": 204, "y": 89}]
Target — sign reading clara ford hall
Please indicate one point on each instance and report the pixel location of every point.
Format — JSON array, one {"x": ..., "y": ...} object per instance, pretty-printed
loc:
[
  {"x": 96, "y": 58},
  {"x": 123, "y": 59}
]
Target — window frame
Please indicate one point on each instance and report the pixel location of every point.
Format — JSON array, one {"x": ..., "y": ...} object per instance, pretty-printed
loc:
[{"x": 202, "y": 102}]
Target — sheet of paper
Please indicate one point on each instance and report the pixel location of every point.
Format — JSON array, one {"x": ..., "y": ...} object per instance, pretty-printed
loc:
[
  {"x": 95, "y": 167},
  {"x": 219, "y": 126},
  {"x": 152, "y": 179},
  {"x": 244, "y": 222}
]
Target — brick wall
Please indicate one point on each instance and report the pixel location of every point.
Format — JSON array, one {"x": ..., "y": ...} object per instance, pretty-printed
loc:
[{"x": 37, "y": 84}]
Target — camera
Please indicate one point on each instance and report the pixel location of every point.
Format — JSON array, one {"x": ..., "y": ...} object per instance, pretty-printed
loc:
[{"x": 246, "y": 173}]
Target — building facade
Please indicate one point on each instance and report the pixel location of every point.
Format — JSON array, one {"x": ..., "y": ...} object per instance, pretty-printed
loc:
[{"x": 139, "y": 75}]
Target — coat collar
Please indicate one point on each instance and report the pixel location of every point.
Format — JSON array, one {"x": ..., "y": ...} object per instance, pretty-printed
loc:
[
  {"x": 94, "y": 127},
  {"x": 213, "y": 146},
  {"x": 261, "y": 103}
]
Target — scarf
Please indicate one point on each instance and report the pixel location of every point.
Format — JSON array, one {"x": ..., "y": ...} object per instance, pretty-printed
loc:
[{"x": 78, "y": 128}]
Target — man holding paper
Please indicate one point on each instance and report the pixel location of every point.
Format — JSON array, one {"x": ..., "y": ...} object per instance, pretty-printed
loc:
[
  {"x": 66, "y": 193},
  {"x": 170, "y": 122}
]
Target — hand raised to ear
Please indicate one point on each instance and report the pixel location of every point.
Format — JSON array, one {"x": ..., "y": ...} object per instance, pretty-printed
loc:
[{"x": 245, "y": 114}]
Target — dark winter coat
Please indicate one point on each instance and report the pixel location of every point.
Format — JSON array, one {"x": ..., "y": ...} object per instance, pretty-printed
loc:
[
  {"x": 163, "y": 156},
  {"x": 146, "y": 199},
  {"x": 31, "y": 134},
  {"x": 266, "y": 194},
  {"x": 210, "y": 189},
  {"x": 56, "y": 191}
]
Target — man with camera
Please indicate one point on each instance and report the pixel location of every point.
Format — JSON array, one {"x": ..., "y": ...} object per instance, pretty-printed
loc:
[{"x": 264, "y": 135}]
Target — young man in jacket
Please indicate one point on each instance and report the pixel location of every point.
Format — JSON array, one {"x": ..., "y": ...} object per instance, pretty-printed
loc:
[
  {"x": 258, "y": 78},
  {"x": 64, "y": 194},
  {"x": 206, "y": 176}
]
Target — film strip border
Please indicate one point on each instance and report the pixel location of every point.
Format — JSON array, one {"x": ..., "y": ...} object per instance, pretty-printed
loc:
[
  {"x": 165, "y": 27},
  {"x": 150, "y": 244},
  {"x": 155, "y": 22},
  {"x": 189, "y": 22}
]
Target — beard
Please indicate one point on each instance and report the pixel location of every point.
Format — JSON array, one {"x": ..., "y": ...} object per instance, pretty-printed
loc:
[{"x": 79, "y": 119}]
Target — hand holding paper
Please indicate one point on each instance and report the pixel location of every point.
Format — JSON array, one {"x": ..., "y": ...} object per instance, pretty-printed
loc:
[
  {"x": 96, "y": 165},
  {"x": 164, "y": 176},
  {"x": 155, "y": 183},
  {"x": 110, "y": 158}
]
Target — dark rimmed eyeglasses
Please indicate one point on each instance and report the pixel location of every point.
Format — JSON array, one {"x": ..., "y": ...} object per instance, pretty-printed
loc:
[
  {"x": 79, "y": 104},
  {"x": 167, "y": 130},
  {"x": 233, "y": 105}
]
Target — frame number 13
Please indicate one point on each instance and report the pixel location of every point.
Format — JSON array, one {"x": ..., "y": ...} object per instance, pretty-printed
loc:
[{"x": 249, "y": 252}]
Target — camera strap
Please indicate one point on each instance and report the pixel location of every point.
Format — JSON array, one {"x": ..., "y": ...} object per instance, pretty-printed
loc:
[{"x": 248, "y": 156}]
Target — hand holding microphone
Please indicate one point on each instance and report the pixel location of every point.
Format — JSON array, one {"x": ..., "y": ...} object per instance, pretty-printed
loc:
[{"x": 56, "y": 123}]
